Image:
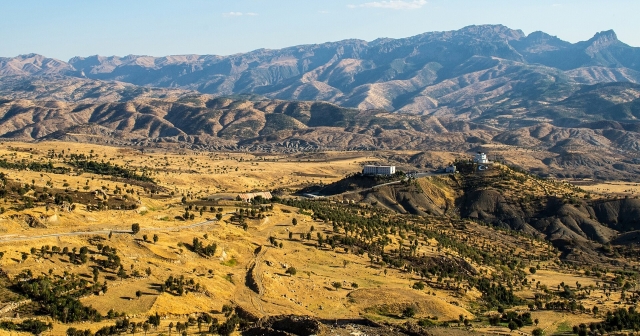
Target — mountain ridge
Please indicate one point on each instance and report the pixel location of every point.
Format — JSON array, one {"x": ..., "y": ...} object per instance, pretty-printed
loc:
[
  {"x": 382, "y": 74},
  {"x": 457, "y": 90}
]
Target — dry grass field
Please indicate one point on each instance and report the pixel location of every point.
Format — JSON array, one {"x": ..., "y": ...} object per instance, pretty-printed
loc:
[
  {"x": 247, "y": 269},
  {"x": 613, "y": 188}
]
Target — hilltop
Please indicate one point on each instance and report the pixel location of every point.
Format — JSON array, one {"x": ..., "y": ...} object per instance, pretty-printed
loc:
[{"x": 578, "y": 222}]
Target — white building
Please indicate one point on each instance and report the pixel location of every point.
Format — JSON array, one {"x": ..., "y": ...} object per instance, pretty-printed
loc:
[
  {"x": 451, "y": 169},
  {"x": 378, "y": 170},
  {"x": 480, "y": 158},
  {"x": 247, "y": 197}
]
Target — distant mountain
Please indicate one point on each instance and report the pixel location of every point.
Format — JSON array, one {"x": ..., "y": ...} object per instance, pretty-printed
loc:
[
  {"x": 34, "y": 65},
  {"x": 577, "y": 106},
  {"x": 436, "y": 72}
]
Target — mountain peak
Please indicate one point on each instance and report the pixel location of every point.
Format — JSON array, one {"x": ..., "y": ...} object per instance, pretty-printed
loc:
[
  {"x": 494, "y": 30},
  {"x": 607, "y": 36},
  {"x": 601, "y": 40},
  {"x": 539, "y": 42}
]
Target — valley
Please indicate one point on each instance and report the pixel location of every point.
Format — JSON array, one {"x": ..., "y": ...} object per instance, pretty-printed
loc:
[{"x": 225, "y": 195}]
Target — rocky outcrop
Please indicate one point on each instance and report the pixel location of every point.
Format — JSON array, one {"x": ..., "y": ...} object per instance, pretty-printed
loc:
[{"x": 287, "y": 325}]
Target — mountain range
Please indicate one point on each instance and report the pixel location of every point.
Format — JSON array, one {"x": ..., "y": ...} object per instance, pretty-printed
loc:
[
  {"x": 426, "y": 73},
  {"x": 577, "y": 102}
]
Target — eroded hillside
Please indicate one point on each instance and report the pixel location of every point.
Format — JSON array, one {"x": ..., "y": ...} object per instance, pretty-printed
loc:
[
  {"x": 604, "y": 150},
  {"x": 577, "y": 222}
]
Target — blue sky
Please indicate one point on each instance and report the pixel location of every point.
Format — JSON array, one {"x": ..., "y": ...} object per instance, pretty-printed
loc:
[{"x": 66, "y": 28}]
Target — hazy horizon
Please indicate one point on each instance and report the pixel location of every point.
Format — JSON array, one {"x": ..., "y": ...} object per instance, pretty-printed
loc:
[{"x": 65, "y": 28}]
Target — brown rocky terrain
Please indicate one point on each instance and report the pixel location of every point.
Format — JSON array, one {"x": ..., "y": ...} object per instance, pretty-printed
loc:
[
  {"x": 559, "y": 109},
  {"x": 179, "y": 119}
]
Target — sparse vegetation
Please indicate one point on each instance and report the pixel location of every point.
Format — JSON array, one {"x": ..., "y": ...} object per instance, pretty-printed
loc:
[{"x": 468, "y": 266}]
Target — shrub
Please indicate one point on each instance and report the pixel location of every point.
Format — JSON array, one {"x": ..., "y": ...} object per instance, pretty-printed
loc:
[
  {"x": 537, "y": 332},
  {"x": 291, "y": 271},
  {"x": 410, "y": 311},
  {"x": 418, "y": 285}
]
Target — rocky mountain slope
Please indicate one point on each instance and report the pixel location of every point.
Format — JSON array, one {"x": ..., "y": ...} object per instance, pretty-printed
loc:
[
  {"x": 576, "y": 105},
  {"x": 436, "y": 72}
]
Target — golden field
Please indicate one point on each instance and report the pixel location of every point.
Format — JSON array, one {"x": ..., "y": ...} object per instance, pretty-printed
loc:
[{"x": 209, "y": 179}]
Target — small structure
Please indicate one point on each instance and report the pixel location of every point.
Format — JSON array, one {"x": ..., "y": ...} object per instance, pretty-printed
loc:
[
  {"x": 480, "y": 158},
  {"x": 378, "y": 170},
  {"x": 247, "y": 197},
  {"x": 450, "y": 170}
]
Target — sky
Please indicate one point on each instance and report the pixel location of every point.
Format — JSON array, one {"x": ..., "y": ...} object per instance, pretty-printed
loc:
[{"x": 66, "y": 28}]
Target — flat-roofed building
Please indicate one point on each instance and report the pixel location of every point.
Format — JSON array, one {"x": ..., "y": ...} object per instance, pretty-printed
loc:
[
  {"x": 247, "y": 197},
  {"x": 378, "y": 170}
]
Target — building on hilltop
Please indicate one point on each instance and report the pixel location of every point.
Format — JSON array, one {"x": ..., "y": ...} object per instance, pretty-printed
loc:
[
  {"x": 450, "y": 170},
  {"x": 247, "y": 197},
  {"x": 378, "y": 170},
  {"x": 480, "y": 158}
]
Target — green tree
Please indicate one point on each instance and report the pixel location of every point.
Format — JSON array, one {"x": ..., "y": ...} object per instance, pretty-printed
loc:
[
  {"x": 537, "y": 332},
  {"x": 409, "y": 311},
  {"x": 138, "y": 294},
  {"x": 135, "y": 228},
  {"x": 96, "y": 272},
  {"x": 337, "y": 285},
  {"x": 291, "y": 271},
  {"x": 155, "y": 238},
  {"x": 294, "y": 222},
  {"x": 512, "y": 325},
  {"x": 122, "y": 273}
]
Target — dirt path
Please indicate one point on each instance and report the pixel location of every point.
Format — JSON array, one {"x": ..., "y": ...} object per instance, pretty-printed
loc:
[
  {"x": 247, "y": 297},
  {"x": 14, "y": 238}
]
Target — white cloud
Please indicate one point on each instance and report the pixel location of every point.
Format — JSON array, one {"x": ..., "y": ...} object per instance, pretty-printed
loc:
[
  {"x": 230, "y": 14},
  {"x": 392, "y": 4}
]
